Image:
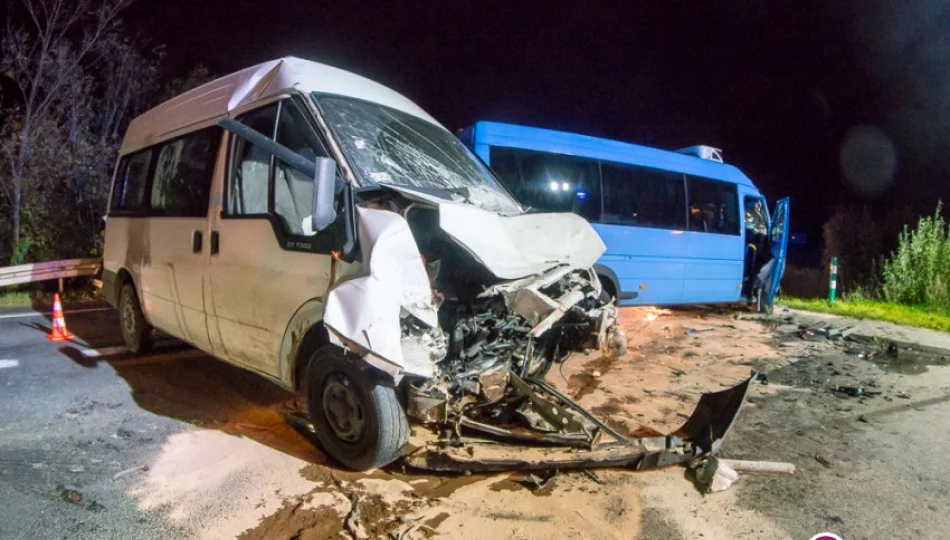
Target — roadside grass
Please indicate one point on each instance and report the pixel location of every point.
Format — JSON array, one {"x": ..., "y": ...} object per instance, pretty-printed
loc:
[
  {"x": 16, "y": 298},
  {"x": 922, "y": 317},
  {"x": 37, "y": 296}
]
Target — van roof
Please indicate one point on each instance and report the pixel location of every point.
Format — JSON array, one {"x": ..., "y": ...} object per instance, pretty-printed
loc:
[
  {"x": 220, "y": 97},
  {"x": 562, "y": 142}
]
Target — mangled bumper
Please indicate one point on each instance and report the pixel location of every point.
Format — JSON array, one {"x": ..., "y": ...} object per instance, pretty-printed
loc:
[{"x": 700, "y": 436}]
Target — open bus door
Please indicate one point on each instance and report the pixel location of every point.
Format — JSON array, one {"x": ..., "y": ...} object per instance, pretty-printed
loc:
[{"x": 771, "y": 274}]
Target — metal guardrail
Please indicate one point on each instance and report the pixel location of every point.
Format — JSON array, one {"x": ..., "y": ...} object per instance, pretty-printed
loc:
[{"x": 29, "y": 273}]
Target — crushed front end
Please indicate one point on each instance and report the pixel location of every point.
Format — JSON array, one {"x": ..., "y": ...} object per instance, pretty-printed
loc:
[{"x": 468, "y": 310}]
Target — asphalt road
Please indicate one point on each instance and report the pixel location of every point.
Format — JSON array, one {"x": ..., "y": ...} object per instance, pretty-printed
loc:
[
  {"x": 75, "y": 432},
  {"x": 79, "y": 435}
]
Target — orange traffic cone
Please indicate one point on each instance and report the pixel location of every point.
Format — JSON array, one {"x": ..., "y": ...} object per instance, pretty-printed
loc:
[{"x": 59, "y": 332}]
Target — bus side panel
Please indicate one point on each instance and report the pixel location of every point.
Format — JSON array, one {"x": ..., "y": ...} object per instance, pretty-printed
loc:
[
  {"x": 649, "y": 262},
  {"x": 714, "y": 271}
]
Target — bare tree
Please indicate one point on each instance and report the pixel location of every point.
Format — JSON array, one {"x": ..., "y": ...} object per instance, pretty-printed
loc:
[{"x": 43, "y": 60}]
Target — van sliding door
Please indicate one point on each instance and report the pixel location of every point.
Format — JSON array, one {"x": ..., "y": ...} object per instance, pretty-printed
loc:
[{"x": 175, "y": 238}]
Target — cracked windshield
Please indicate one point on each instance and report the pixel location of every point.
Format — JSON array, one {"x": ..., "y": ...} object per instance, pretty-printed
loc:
[{"x": 386, "y": 146}]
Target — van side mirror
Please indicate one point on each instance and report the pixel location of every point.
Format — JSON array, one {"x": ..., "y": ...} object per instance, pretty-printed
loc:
[{"x": 324, "y": 184}]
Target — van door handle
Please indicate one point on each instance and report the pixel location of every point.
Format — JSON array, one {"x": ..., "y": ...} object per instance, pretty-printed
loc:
[
  {"x": 196, "y": 241},
  {"x": 214, "y": 242}
]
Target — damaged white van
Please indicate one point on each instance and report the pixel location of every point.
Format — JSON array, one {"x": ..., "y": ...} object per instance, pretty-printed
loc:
[{"x": 322, "y": 230}]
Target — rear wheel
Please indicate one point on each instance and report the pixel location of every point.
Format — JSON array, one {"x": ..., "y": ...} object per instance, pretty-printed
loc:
[
  {"x": 136, "y": 332},
  {"x": 359, "y": 420}
]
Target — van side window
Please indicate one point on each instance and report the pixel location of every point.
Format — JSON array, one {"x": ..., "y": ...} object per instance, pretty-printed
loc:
[
  {"x": 643, "y": 197},
  {"x": 183, "y": 171},
  {"x": 713, "y": 206},
  {"x": 251, "y": 165},
  {"x": 549, "y": 182},
  {"x": 128, "y": 193},
  {"x": 262, "y": 185},
  {"x": 293, "y": 191}
]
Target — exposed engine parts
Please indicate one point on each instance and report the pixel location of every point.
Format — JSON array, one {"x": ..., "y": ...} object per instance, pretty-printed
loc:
[
  {"x": 496, "y": 334},
  {"x": 481, "y": 324}
]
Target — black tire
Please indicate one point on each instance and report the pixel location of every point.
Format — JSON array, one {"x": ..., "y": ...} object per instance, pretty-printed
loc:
[
  {"x": 608, "y": 294},
  {"x": 358, "y": 418},
  {"x": 136, "y": 332}
]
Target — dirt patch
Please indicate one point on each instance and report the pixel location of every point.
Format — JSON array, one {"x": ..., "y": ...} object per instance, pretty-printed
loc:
[
  {"x": 673, "y": 357},
  {"x": 293, "y": 521},
  {"x": 380, "y": 517},
  {"x": 576, "y": 507},
  {"x": 586, "y": 382}
]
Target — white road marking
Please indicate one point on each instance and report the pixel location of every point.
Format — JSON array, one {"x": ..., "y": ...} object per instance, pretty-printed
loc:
[
  {"x": 105, "y": 351},
  {"x": 121, "y": 349},
  {"x": 38, "y": 314},
  {"x": 9, "y": 363}
]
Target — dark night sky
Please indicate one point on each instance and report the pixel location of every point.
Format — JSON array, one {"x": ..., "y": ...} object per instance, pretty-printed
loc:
[{"x": 777, "y": 84}]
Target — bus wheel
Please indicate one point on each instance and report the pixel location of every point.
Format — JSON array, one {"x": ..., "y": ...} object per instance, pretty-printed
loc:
[
  {"x": 359, "y": 420},
  {"x": 136, "y": 332}
]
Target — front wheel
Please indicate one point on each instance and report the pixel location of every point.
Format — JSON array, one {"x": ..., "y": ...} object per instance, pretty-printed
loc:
[{"x": 359, "y": 420}]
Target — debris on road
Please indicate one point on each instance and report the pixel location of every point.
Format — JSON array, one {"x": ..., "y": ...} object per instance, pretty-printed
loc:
[
  {"x": 788, "y": 329},
  {"x": 715, "y": 476},
  {"x": 773, "y": 467},
  {"x": 593, "y": 476},
  {"x": 352, "y": 523},
  {"x": 120, "y": 474},
  {"x": 824, "y": 461},
  {"x": 69, "y": 495},
  {"x": 579, "y": 435},
  {"x": 853, "y": 391}
]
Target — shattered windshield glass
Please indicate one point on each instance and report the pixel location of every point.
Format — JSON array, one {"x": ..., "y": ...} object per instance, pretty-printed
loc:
[{"x": 386, "y": 146}]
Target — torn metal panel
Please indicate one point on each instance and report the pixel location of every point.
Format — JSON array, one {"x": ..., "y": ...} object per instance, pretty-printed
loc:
[
  {"x": 554, "y": 414},
  {"x": 428, "y": 402},
  {"x": 496, "y": 458},
  {"x": 578, "y": 440},
  {"x": 516, "y": 246},
  {"x": 564, "y": 303},
  {"x": 365, "y": 311}
]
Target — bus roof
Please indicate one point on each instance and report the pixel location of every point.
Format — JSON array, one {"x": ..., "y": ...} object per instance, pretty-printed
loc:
[
  {"x": 218, "y": 98},
  {"x": 561, "y": 142}
]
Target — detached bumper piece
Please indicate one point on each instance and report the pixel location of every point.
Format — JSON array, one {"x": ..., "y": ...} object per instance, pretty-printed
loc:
[{"x": 576, "y": 442}]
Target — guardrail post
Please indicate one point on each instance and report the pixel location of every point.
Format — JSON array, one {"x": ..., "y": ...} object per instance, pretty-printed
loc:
[
  {"x": 60, "y": 285},
  {"x": 833, "y": 285}
]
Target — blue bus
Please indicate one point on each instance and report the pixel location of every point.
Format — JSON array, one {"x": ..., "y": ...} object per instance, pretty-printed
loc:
[{"x": 680, "y": 227}]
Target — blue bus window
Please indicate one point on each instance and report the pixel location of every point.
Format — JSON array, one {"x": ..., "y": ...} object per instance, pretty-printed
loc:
[
  {"x": 549, "y": 182},
  {"x": 713, "y": 206},
  {"x": 643, "y": 197}
]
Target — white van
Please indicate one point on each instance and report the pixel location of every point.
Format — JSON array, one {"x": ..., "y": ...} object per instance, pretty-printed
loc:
[{"x": 319, "y": 229}]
